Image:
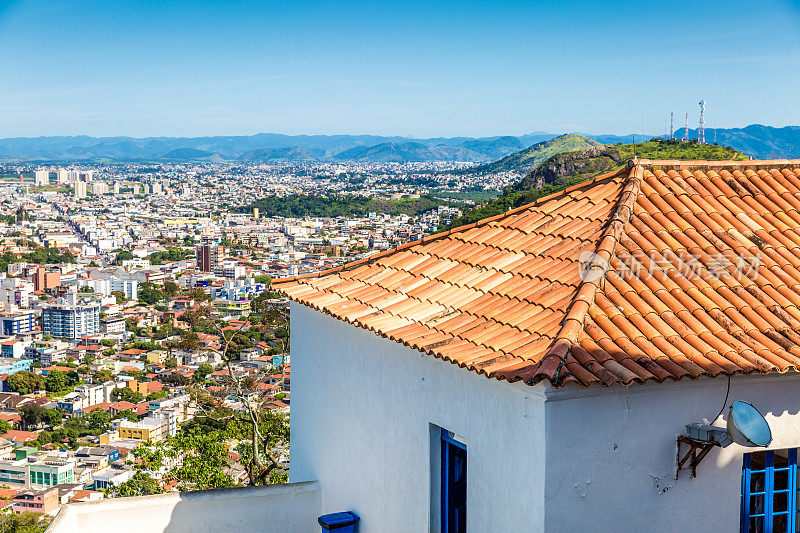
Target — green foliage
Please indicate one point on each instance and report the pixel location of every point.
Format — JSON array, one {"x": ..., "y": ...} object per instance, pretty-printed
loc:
[
  {"x": 25, "y": 382},
  {"x": 170, "y": 254},
  {"x": 98, "y": 421},
  {"x": 300, "y": 205},
  {"x": 41, "y": 256},
  {"x": 198, "y": 294},
  {"x": 141, "y": 484},
  {"x": 202, "y": 372},
  {"x": 120, "y": 296},
  {"x": 32, "y": 414},
  {"x": 101, "y": 376},
  {"x": 58, "y": 380},
  {"x": 528, "y": 158},
  {"x": 149, "y": 295},
  {"x": 157, "y": 395},
  {"x": 123, "y": 255},
  {"x": 566, "y": 169},
  {"x": 126, "y": 394},
  {"x": 263, "y": 279},
  {"x": 170, "y": 288},
  {"x": 204, "y": 459},
  {"x": 5, "y": 425},
  {"x": 674, "y": 149},
  {"x": 25, "y": 522},
  {"x": 108, "y": 342},
  {"x": 128, "y": 414}
]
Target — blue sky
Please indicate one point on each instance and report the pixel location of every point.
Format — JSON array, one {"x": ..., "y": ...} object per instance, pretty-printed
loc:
[{"x": 427, "y": 68}]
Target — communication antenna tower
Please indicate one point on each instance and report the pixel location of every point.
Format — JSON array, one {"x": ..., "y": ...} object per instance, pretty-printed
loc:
[
  {"x": 671, "y": 125},
  {"x": 701, "y": 133},
  {"x": 686, "y": 129}
]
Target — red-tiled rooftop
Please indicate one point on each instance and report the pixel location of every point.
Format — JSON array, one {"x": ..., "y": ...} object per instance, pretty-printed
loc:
[{"x": 663, "y": 270}]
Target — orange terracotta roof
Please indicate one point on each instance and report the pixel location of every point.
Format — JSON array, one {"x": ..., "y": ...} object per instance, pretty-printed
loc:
[
  {"x": 663, "y": 270},
  {"x": 17, "y": 435}
]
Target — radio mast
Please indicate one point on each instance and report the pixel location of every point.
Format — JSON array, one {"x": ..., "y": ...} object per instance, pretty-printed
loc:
[{"x": 701, "y": 133}]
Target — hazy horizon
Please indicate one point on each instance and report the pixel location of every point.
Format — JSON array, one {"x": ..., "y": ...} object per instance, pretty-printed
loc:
[{"x": 415, "y": 69}]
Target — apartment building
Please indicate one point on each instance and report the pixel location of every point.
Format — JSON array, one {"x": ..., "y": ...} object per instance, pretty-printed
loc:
[
  {"x": 43, "y": 501},
  {"x": 209, "y": 257},
  {"x": 47, "y": 353},
  {"x": 84, "y": 396},
  {"x": 17, "y": 322},
  {"x": 70, "y": 319},
  {"x": 44, "y": 280}
]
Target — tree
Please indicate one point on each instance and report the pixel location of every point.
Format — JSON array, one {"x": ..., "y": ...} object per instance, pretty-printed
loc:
[
  {"x": 52, "y": 417},
  {"x": 190, "y": 341},
  {"x": 31, "y": 414},
  {"x": 101, "y": 376},
  {"x": 56, "y": 381},
  {"x": 120, "y": 296},
  {"x": 204, "y": 459},
  {"x": 170, "y": 288},
  {"x": 123, "y": 255},
  {"x": 198, "y": 294},
  {"x": 128, "y": 414},
  {"x": 126, "y": 394},
  {"x": 5, "y": 425},
  {"x": 25, "y": 382},
  {"x": 202, "y": 372},
  {"x": 98, "y": 421},
  {"x": 141, "y": 484},
  {"x": 171, "y": 362},
  {"x": 25, "y": 522},
  {"x": 149, "y": 295}
]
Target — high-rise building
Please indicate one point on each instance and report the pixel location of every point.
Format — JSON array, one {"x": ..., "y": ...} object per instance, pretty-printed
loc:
[
  {"x": 100, "y": 187},
  {"x": 80, "y": 189},
  {"x": 41, "y": 177},
  {"x": 62, "y": 176},
  {"x": 116, "y": 187},
  {"x": 43, "y": 280},
  {"x": 71, "y": 320},
  {"x": 209, "y": 257},
  {"x": 156, "y": 188}
]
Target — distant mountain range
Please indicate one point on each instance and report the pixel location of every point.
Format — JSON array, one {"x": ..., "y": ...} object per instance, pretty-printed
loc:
[{"x": 756, "y": 140}]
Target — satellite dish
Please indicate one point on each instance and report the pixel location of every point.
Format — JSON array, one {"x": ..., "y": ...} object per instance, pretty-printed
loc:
[{"x": 748, "y": 427}]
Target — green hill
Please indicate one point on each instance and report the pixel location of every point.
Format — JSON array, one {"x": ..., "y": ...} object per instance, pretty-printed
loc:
[
  {"x": 525, "y": 160},
  {"x": 565, "y": 169}
]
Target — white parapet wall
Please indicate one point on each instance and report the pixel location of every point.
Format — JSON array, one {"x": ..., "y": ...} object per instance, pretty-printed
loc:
[{"x": 289, "y": 508}]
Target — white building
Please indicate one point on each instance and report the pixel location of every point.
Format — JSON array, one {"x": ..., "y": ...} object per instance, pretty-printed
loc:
[
  {"x": 80, "y": 189},
  {"x": 41, "y": 177},
  {"x": 534, "y": 372}
]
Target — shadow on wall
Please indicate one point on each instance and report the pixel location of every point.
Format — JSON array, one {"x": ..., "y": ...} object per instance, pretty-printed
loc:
[
  {"x": 292, "y": 507},
  {"x": 273, "y": 508}
]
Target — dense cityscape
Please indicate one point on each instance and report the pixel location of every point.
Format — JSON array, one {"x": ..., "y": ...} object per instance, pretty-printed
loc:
[{"x": 136, "y": 311}]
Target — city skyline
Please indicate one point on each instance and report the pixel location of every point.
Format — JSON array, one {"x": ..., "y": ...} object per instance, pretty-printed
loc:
[{"x": 417, "y": 70}]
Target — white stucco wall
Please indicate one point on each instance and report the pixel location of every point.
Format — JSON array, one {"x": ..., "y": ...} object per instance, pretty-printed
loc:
[
  {"x": 286, "y": 508},
  {"x": 611, "y": 454},
  {"x": 361, "y": 413}
]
